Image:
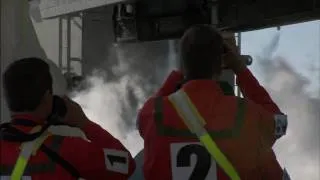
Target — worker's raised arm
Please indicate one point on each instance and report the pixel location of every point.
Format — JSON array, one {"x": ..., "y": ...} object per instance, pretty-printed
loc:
[
  {"x": 271, "y": 118},
  {"x": 270, "y": 167},
  {"x": 108, "y": 156},
  {"x": 249, "y": 85},
  {"x": 170, "y": 85},
  {"x": 251, "y": 89},
  {"x": 98, "y": 136},
  {"x": 103, "y": 156},
  {"x": 271, "y": 126}
]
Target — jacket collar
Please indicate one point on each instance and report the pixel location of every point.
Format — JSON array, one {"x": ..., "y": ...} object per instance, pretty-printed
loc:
[
  {"x": 28, "y": 117},
  {"x": 200, "y": 86}
]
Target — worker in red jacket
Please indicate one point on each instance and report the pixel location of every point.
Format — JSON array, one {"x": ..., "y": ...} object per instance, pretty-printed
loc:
[
  {"x": 31, "y": 149},
  {"x": 199, "y": 133}
]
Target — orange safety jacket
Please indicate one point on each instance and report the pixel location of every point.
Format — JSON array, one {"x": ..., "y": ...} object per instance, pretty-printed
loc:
[{"x": 244, "y": 130}]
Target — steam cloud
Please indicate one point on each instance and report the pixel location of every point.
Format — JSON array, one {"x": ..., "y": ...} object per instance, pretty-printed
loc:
[
  {"x": 298, "y": 151},
  {"x": 115, "y": 94},
  {"x": 128, "y": 77}
]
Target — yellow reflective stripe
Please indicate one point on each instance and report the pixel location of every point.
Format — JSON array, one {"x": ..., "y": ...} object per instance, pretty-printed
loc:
[
  {"x": 187, "y": 105},
  {"x": 181, "y": 114},
  {"x": 39, "y": 143},
  {"x": 27, "y": 149},
  {"x": 19, "y": 168},
  {"x": 188, "y": 116},
  {"x": 221, "y": 159},
  {"x": 211, "y": 146},
  {"x": 193, "y": 108}
]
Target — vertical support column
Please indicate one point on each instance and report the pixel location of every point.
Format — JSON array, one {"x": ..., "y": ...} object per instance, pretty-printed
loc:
[
  {"x": 1, "y": 23},
  {"x": 68, "y": 44},
  {"x": 60, "y": 43},
  {"x": 239, "y": 48},
  {"x": 214, "y": 13},
  {"x": 319, "y": 68},
  {"x": 227, "y": 75},
  {"x": 81, "y": 53},
  {"x": 172, "y": 56}
]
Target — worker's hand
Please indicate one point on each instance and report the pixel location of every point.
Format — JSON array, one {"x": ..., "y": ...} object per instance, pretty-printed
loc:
[
  {"x": 75, "y": 116},
  {"x": 231, "y": 56}
]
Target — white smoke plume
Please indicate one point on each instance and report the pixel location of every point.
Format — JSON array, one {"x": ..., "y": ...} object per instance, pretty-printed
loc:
[
  {"x": 299, "y": 150},
  {"x": 117, "y": 90}
]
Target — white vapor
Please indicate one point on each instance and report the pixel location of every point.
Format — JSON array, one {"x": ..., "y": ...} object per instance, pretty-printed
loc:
[
  {"x": 102, "y": 104},
  {"x": 299, "y": 150},
  {"x": 117, "y": 90}
]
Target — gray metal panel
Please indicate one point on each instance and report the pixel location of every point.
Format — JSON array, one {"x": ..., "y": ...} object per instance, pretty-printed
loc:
[
  {"x": 97, "y": 38},
  {"x": 148, "y": 63},
  {"x": 19, "y": 40},
  {"x": 53, "y": 8},
  {"x": 9, "y": 39}
]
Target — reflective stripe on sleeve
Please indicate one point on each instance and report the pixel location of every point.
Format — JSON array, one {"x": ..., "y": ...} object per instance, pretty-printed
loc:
[
  {"x": 19, "y": 168},
  {"x": 195, "y": 122},
  {"x": 27, "y": 149},
  {"x": 43, "y": 167}
]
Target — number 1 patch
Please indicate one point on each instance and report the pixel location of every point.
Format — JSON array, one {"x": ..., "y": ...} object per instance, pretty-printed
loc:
[
  {"x": 192, "y": 161},
  {"x": 117, "y": 161}
]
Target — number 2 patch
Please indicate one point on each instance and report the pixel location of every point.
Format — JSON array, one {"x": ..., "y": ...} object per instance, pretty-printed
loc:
[
  {"x": 192, "y": 161},
  {"x": 116, "y": 161}
]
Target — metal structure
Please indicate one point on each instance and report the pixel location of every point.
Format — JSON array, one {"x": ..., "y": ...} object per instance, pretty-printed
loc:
[
  {"x": 237, "y": 89},
  {"x": 1, "y": 69},
  {"x": 148, "y": 20},
  {"x": 56, "y": 8},
  {"x": 65, "y": 62},
  {"x": 17, "y": 28}
]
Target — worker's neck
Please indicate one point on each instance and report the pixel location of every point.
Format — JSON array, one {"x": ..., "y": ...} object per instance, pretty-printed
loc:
[{"x": 192, "y": 78}]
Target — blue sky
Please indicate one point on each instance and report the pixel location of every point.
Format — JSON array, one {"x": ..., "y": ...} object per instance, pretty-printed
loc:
[{"x": 299, "y": 44}]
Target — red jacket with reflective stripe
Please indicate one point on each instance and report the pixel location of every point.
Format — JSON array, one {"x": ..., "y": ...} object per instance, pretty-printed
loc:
[
  {"x": 87, "y": 157},
  {"x": 249, "y": 151}
]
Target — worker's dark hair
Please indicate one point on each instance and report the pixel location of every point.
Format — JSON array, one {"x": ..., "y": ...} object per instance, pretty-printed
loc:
[
  {"x": 25, "y": 81},
  {"x": 201, "y": 48}
]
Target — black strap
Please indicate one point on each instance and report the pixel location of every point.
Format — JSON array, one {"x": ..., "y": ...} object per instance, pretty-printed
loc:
[
  {"x": 9, "y": 133},
  {"x": 24, "y": 122},
  {"x": 58, "y": 159}
]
